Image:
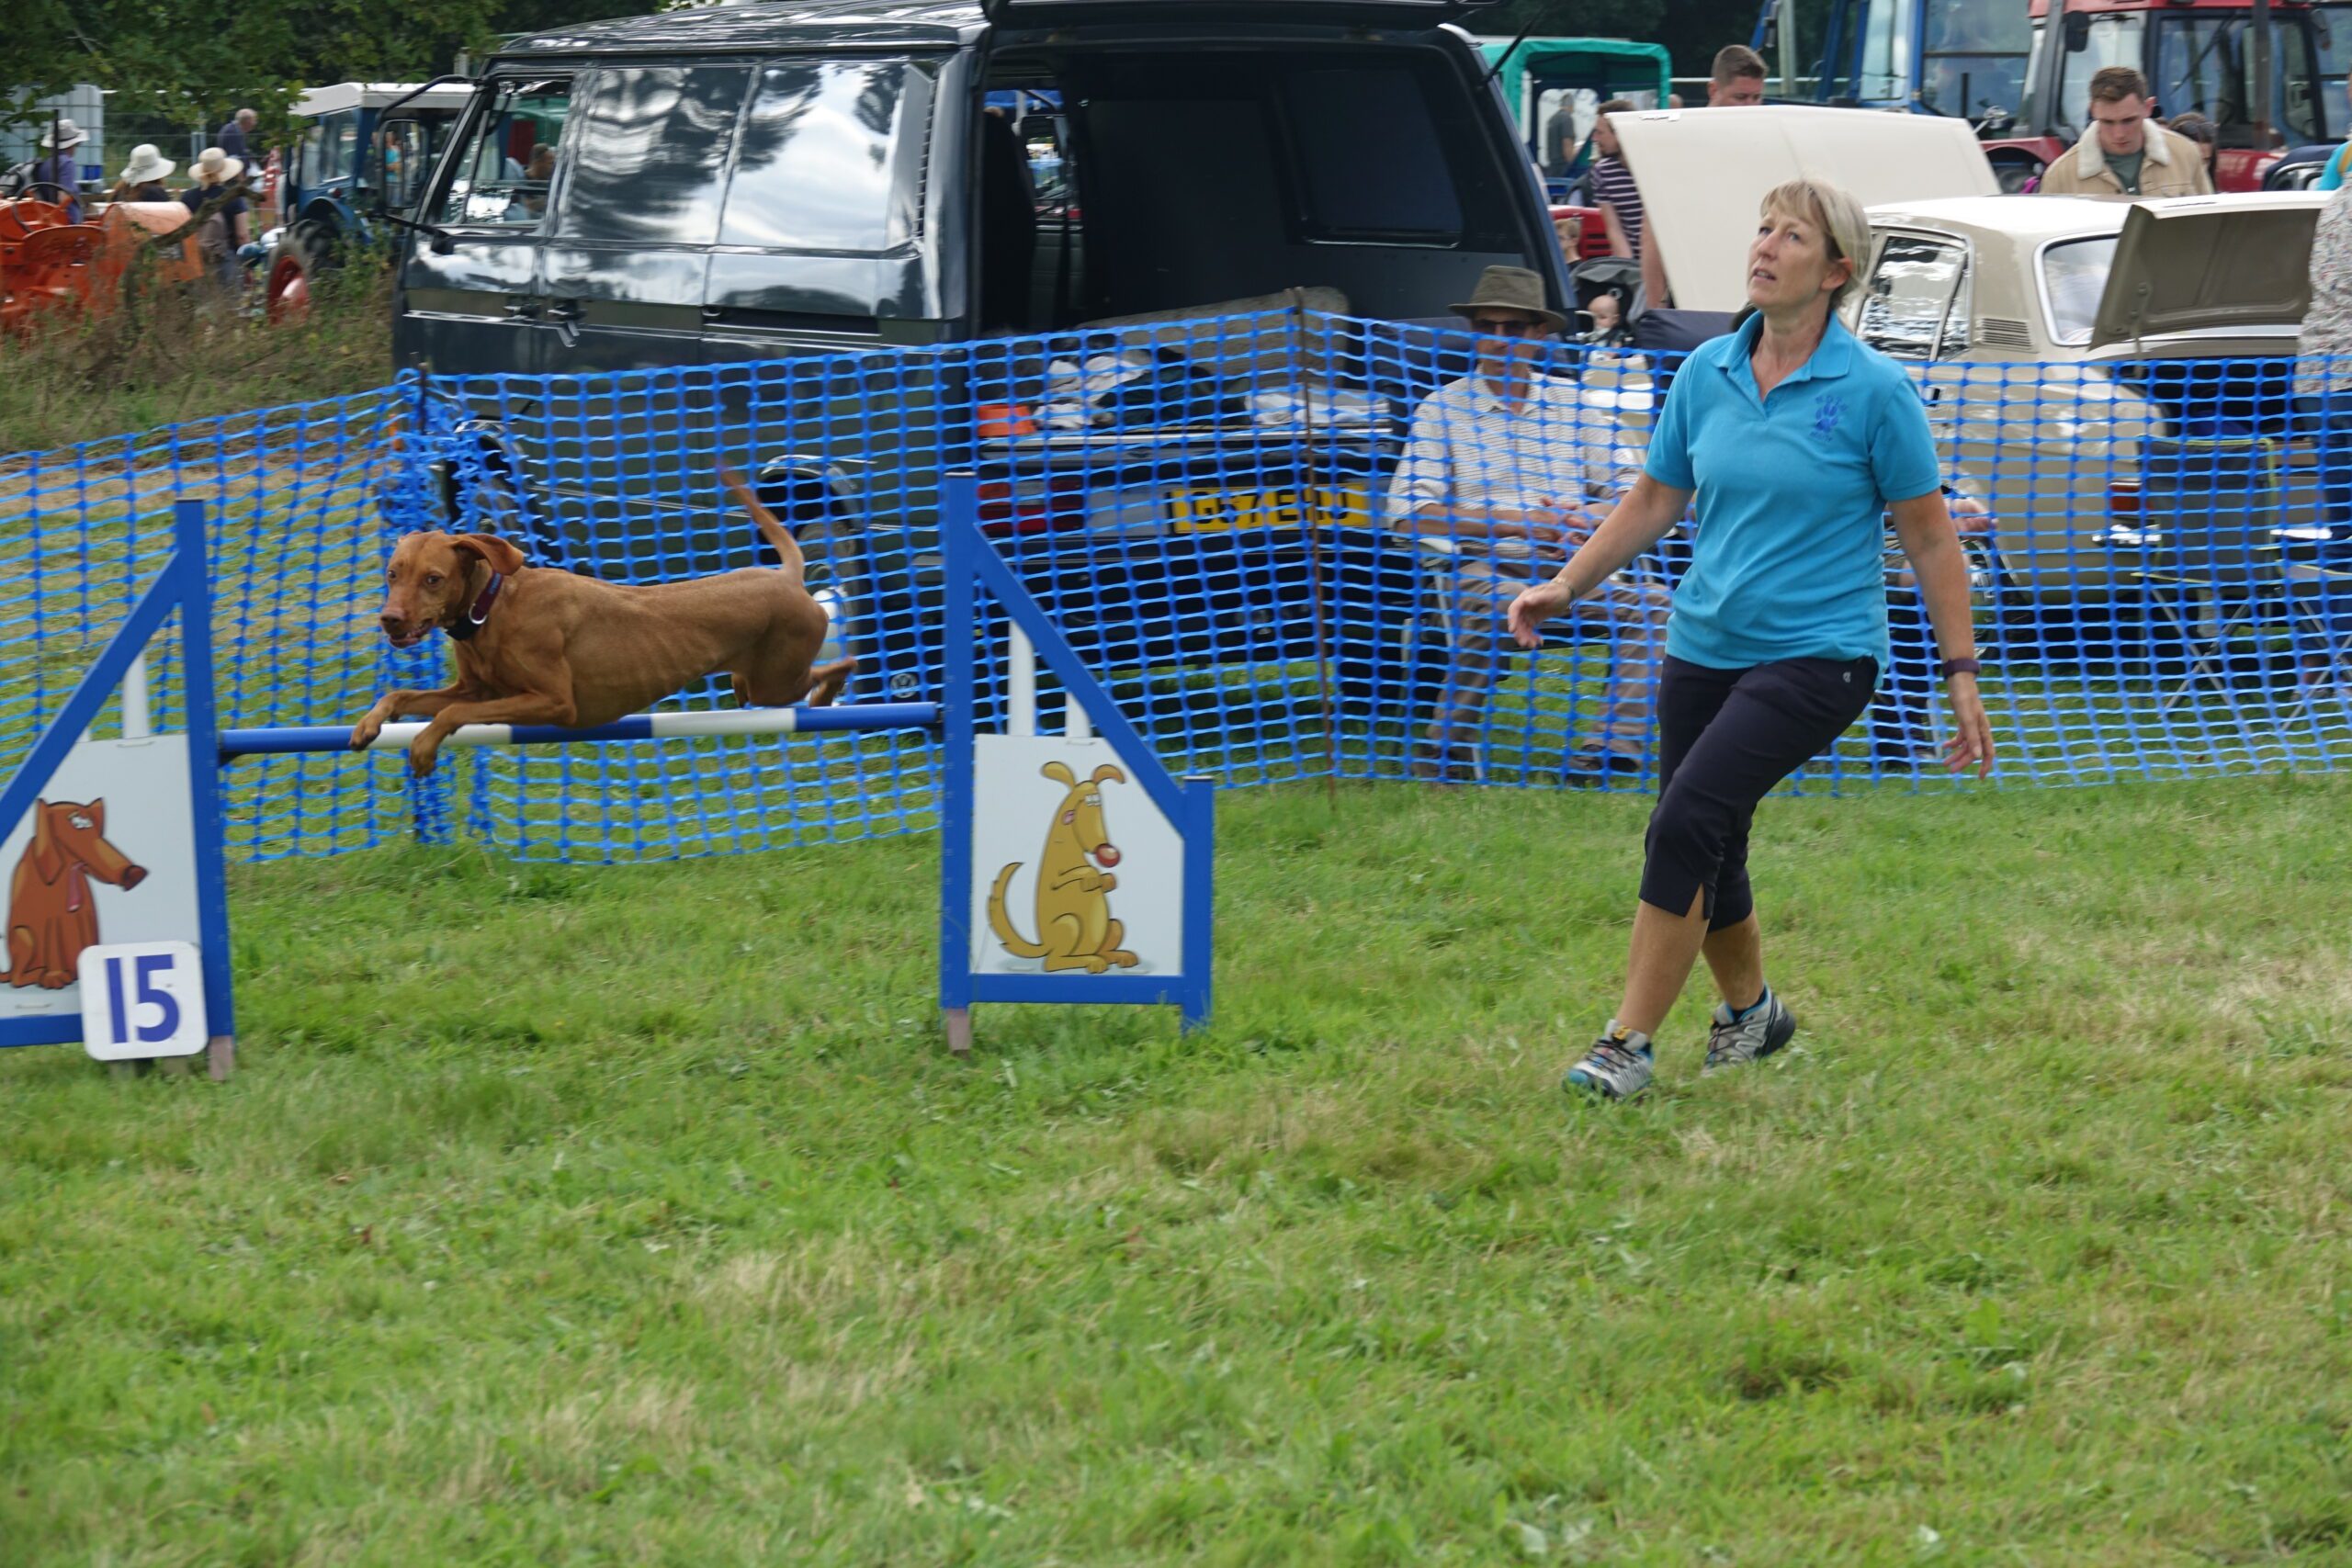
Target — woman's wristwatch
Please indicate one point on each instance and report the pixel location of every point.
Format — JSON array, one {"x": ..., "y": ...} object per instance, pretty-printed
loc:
[{"x": 1947, "y": 668}]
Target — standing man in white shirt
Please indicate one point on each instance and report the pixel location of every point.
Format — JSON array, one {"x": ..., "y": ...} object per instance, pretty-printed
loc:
[{"x": 1504, "y": 472}]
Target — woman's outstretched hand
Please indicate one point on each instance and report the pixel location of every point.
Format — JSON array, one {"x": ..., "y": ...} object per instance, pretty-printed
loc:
[
  {"x": 1972, "y": 732},
  {"x": 1532, "y": 607}
]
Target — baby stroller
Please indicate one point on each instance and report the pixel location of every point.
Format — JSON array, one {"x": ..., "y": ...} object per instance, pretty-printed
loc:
[{"x": 1618, "y": 277}]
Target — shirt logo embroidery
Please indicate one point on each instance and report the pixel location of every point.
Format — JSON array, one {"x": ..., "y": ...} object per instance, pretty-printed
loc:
[{"x": 1828, "y": 410}]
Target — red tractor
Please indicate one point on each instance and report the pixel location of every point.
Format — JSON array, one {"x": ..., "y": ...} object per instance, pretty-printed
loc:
[{"x": 2197, "y": 55}]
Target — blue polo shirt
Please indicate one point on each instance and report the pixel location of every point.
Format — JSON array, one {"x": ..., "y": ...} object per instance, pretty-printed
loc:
[{"x": 1792, "y": 489}]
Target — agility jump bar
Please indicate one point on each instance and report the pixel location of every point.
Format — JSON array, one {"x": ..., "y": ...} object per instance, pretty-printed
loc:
[{"x": 846, "y": 717}]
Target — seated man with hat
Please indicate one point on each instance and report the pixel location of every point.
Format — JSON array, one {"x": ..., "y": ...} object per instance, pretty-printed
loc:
[{"x": 1504, "y": 472}]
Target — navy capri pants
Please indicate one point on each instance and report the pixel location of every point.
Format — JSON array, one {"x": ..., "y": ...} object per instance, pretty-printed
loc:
[{"x": 1726, "y": 738}]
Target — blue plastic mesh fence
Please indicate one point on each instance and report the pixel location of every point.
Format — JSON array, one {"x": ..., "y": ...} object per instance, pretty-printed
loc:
[
  {"x": 1284, "y": 541},
  {"x": 295, "y": 498}
]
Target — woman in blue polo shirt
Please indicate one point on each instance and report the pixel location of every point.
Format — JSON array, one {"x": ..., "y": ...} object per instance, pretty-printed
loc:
[{"x": 1795, "y": 441}]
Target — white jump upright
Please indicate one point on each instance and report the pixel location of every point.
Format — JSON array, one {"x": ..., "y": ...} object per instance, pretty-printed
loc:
[
  {"x": 117, "y": 921},
  {"x": 1076, "y": 869}
]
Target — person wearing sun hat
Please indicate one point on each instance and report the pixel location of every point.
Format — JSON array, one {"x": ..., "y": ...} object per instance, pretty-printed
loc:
[
  {"x": 58, "y": 174},
  {"x": 1504, "y": 471},
  {"x": 142, "y": 177},
  {"x": 219, "y": 193}
]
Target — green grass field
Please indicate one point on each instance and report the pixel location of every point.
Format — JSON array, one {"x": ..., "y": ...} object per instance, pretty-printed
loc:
[{"x": 637, "y": 1215}]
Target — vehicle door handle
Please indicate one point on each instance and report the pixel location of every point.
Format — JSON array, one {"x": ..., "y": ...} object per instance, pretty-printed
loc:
[
  {"x": 521, "y": 309},
  {"x": 563, "y": 309}
]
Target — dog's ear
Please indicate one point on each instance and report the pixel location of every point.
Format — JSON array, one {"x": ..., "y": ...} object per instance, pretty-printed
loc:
[
  {"x": 1059, "y": 773},
  {"x": 496, "y": 552},
  {"x": 97, "y": 810},
  {"x": 49, "y": 861},
  {"x": 1107, "y": 772}
]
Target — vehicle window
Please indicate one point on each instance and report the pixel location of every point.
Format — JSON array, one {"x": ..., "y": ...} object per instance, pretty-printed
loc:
[
  {"x": 1349, "y": 121},
  {"x": 308, "y": 162},
  {"x": 2114, "y": 40},
  {"x": 399, "y": 153},
  {"x": 327, "y": 147},
  {"x": 2332, "y": 47},
  {"x": 2205, "y": 64},
  {"x": 2074, "y": 276},
  {"x": 1564, "y": 118},
  {"x": 508, "y": 162},
  {"x": 1883, "y": 65},
  {"x": 1975, "y": 56},
  {"x": 1917, "y": 303},
  {"x": 650, "y": 159},
  {"x": 2199, "y": 67},
  {"x": 832, "y": 157}
]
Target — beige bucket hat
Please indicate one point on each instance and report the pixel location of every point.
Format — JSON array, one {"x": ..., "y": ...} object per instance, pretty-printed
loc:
[
  {"x": 214, "y": 164},
  {"x": 147, "y": 163},
  {"x": 1510, "y": 289}
]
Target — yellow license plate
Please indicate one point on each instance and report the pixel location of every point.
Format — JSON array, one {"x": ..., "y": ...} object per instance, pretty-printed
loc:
[{"x": 1212, "y": 511}]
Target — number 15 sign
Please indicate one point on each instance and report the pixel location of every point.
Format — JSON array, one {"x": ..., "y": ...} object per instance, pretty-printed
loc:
[
  {"x": 142, "y": 999},
  {"x": 117, "y": 917}
]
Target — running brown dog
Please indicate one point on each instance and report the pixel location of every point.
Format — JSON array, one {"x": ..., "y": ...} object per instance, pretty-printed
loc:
[{"x": 538, "y": 646}]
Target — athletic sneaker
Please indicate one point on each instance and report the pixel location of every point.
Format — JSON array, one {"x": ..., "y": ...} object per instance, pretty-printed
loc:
[
  {"x": 1617, "y": 1067},
  {"x": 1735, "y": 1041}
]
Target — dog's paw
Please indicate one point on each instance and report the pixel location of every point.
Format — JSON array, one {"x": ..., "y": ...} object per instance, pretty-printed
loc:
[
  {"x": 363, "y": 733},
  {"x": 422, "y": 754}
]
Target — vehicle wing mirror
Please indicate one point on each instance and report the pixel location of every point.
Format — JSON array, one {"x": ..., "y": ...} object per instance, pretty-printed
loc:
[{"x": 2076, "y": 28}]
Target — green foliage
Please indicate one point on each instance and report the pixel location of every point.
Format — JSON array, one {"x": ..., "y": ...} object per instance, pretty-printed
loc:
[
  {"x": 180, "y": 58},
  {"x": 1575, "y": 18},
  {"x": 193, "y": 60},
  {"x": 636, "y": 1215}
]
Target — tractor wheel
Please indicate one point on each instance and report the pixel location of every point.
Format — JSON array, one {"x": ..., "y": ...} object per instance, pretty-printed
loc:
[{"x": 306, "y": 252}]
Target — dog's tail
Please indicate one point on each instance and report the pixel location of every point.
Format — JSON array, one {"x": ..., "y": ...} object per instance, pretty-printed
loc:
[
  {"x": 1001, "y": 923},
  {"x": 787, "y": 549}
]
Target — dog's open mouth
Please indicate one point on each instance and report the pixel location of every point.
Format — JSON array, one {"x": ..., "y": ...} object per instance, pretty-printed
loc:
[{"x": 407, "y": 640}]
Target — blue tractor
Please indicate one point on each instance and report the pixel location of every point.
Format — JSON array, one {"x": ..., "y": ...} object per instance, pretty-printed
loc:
[
  {"x": 1963, "y": 59},
  {"x": 363, "y": 144}
]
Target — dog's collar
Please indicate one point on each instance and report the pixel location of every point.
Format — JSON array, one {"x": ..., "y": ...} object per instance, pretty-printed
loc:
[{"x": 470, "y": 620}]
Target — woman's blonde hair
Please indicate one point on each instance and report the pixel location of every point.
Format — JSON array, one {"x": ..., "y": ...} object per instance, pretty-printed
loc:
[{"x": 1834, "y": 211}]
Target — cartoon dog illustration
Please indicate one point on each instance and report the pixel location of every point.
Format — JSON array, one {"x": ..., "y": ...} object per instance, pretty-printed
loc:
[
  {"x": 50, "y": 917},
  {"x": 1075, "y": 930}
]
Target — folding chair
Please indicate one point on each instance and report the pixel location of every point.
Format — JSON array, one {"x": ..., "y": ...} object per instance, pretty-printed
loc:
[
  {"x": 2319, "y": 610},
  {"x": 2206, "y": 502}
]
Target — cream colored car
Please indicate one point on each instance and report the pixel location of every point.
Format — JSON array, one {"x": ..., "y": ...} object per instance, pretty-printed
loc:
[{"x": 2112, "y": 378}]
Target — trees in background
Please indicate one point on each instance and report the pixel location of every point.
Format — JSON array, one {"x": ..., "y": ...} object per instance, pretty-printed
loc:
[{"x": 197, "y": 62}]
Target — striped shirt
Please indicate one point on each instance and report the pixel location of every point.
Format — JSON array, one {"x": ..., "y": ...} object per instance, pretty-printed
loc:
[
  {"x": 1469, "y": 450},
  {"x": 1613, "y": 185}
]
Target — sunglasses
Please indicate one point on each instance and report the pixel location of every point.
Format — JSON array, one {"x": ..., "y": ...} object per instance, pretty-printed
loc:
[{"x": 1496, "y": 327}]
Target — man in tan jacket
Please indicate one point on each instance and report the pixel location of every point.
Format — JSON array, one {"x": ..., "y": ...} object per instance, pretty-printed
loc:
[{"x": 2125, "y": 153}]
